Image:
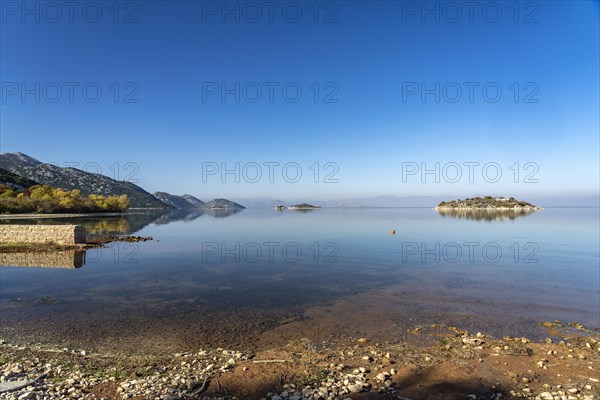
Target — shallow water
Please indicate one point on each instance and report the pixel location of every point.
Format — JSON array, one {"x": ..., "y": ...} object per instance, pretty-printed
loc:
[{"x": 262, "y": 277}]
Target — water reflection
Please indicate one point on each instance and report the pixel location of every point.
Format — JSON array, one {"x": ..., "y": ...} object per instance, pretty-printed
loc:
[
  {"x": 129, "y": 223},
  {"x": 190, "y": 214},
  {"x": 183, "y": 214},
  {"x": 484, "y": 214},
  {"x": 52, "y": 259},
  {"x": 161, "y": 297},
  {"x": 126, "y": 224},
  {"x": 221, "y": 212}
]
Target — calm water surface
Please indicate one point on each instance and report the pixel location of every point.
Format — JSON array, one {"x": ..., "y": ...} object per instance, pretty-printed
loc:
[{"x": 261, "y": 277}]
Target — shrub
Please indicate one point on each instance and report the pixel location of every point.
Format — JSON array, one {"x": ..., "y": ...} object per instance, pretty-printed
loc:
[{"x": 45, "y": 199}]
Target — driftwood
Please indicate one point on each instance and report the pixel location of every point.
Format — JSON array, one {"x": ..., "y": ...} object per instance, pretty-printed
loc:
[{"x": 203, "y": 387}]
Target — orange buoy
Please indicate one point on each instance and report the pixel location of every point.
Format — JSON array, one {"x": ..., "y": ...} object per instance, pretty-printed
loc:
[{"x": 393, "y": 231}]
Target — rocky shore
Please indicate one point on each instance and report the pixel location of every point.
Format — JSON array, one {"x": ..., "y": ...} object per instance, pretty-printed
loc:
[
  {"x": 460, "y": 366},
  {"x": 54, "y": 247}
]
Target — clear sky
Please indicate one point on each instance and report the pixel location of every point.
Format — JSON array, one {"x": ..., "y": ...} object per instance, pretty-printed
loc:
[{"x": 372, "y": 91}]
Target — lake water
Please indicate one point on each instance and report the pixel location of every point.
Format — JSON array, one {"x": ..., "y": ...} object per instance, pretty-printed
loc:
[{"x": 259, "y": 278}]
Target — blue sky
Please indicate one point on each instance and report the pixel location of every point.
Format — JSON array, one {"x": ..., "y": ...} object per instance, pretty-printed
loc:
[{"x": 361, "y": 68}]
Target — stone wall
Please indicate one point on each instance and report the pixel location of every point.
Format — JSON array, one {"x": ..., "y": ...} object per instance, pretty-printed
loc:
[
  {"x": 49, "y": 259},
  {"x": 59, "y": 234}
]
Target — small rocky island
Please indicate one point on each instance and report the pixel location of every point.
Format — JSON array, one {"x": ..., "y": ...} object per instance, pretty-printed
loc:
[
  {"x": 301, "y": 206},
  {"x": 486, "y": 208},
  {"x": 487, "y": 203}
]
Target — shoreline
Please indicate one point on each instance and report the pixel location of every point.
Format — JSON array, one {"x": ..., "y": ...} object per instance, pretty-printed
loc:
[
  {"x": 461, "y": 365},
  {"x": 83, "y": 215},
  {"x": 50, "y": 246}
]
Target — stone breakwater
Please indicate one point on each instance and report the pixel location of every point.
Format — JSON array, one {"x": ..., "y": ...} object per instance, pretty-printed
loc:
[{"x": 65, "y": 235}]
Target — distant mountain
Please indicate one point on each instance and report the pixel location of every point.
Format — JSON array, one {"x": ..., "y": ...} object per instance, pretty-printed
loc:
[
  {"x": 189, "y": 202},
  {"x": 349, "y": 205},
  {"x": 73, "y": 178},
  {"x": 573, "y": 201},
  {"x": 261, "y": 202},
  {"x": 387, "y": 201},
  {"x": 432, "y": 201},
  {"x": 193, "y": 200},
  {"x": 15, "y": 181},
  {"x": 222, "y": 204},
  {"x": 413, "y": 201},
  {"x": 361, "y": 202},
  {"x": 173, "y": 200}
]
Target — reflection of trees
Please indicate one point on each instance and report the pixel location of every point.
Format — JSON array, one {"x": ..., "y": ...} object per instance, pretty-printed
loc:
[
  {"x": 107, "y": 227},
  {"x": 129, "y": 223},
  {"x": 125, "y": 224},
  {"x": 484, "y": 214}
]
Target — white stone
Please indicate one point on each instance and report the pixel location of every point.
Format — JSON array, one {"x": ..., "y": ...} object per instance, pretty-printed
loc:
[{"x": 355, "y": 387}]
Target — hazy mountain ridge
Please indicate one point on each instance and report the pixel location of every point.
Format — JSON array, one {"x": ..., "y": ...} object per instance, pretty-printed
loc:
[
  {"x": 36, "y": 171},
  {"x": 223, "y": 204},
  {"x": 193, "y": 200},
  {"x": 173, "y": 200},
  {"x": 73, "y": 178},
  {"x": 261, "y": 202},
  {"x": 188, "y": 201}
]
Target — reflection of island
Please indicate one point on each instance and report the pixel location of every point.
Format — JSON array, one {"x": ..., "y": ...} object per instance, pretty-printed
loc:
[
  {"x": 49, "y": 259},
  {"x": 181, "y": 214},
  {"x": 486, "y": 208},
  {"x": 221, "y": 212},
  {"x": 190, "y": 214},
  {"x": 483, "y": 214},
  {"x": 131, "y": 222},
  {"x": 303, "y": 207}
]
